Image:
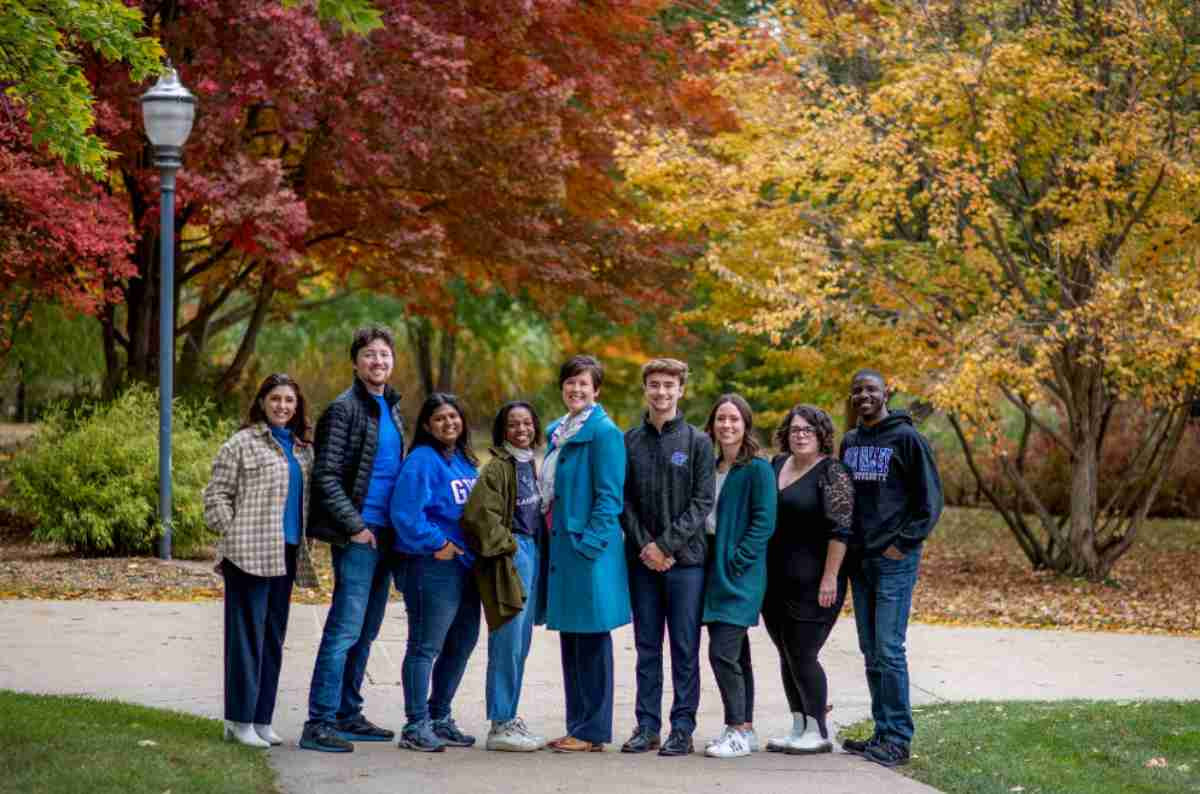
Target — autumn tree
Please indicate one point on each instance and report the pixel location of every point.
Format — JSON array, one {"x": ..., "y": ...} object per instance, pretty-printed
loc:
[{"x": 998, "y": 200}]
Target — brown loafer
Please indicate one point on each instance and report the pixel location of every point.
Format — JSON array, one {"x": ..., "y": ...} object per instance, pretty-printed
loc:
[{"x": 569, "y": 744}]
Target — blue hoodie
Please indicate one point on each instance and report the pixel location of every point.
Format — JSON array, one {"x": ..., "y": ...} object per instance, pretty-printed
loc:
[{"x": 428, "y": 502}]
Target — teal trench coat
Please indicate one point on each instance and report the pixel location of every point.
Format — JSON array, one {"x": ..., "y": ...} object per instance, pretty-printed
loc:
[{"x": 587, "y": 583}]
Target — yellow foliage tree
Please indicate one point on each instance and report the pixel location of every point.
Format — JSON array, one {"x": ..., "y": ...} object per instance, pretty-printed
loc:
[{"x": 1002, "y": 194}]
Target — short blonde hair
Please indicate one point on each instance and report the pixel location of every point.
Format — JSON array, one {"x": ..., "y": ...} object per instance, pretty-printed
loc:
[{"x": 666, "y": 366}]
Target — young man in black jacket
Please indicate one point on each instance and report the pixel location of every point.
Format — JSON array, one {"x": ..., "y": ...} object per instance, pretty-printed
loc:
[
  {"x": 668, "y": 495},
  {"x": 359, "y": 444},
  {"x": 897, "y": 502}
]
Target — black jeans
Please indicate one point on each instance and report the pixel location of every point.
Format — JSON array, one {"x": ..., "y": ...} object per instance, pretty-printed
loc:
[
  {"x": 729, "y": 655},
  {"x": 799, "y": 642},
  {"x": 256, "y": 616}
]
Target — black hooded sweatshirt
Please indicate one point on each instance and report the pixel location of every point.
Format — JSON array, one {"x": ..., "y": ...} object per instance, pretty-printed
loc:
[{"x": 897, "y": 490}]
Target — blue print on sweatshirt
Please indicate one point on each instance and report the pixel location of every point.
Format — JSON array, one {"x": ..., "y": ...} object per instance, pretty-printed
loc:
[
  {"x": 462, "y": 489},
  {"x": 679, "y": 458},
  {"x": 869, "y": 463}
]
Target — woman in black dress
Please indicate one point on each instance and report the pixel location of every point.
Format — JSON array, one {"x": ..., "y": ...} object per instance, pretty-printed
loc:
[{"x": 806, "y": 581}]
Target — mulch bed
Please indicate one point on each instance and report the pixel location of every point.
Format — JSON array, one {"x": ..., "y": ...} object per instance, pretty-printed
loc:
[{"x": 972, "y": 574}]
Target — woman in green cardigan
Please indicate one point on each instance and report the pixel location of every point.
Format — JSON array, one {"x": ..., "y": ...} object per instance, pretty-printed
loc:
[
  {"x": 739, "y": 528},
  {"x": 503, "y": 525}
]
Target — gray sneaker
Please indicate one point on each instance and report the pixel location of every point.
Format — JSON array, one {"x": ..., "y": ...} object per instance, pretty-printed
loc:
[
  {"x": 419, "y": 736},
  {"x": 510, "y": 736}
]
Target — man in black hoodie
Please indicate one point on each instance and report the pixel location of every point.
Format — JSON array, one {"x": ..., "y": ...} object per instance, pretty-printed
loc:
[
  {"x": 668, "y": 495},
  {"x": 897, "y": 501}
]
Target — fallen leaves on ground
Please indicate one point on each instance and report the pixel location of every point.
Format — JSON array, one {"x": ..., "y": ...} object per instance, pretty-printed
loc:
[{"x": 972, "y": 573}]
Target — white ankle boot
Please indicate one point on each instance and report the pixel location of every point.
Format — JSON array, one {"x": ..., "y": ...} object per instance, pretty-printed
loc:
[
  {"x": 810, "y": 740},
  {"x": 267, "y": 734},
  {"x": 244, "y": 733},
  {"x": 782, "y": 743}
]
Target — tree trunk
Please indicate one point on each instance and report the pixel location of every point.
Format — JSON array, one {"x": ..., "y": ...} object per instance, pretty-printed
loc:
[
  {"x": 233, "y": 374},
  {"x": 446, "y": 362}
]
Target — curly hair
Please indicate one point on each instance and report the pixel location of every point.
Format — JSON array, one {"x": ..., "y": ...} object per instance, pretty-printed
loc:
[{"x": 820, "y": 422}]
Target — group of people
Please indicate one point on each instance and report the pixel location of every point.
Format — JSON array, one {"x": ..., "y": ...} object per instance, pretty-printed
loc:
[{"x": 668, "y": 525}]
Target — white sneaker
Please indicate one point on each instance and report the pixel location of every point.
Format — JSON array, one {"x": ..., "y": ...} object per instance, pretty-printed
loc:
[
  {"x": 780, "y": 744},
  {"x": 243, "y": 733},
  {"x": 523, "y": 728},
  {"x": 810, "y": 742},
  {"x": 267, "y": 734},
  {"x": 733, "y": 744},
  {"x": 752, "y": 740},
  {"x": 508, "y": 737}
]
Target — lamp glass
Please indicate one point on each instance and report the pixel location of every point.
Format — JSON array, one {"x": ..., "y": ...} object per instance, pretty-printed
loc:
[{"x": 168, "y": 110}]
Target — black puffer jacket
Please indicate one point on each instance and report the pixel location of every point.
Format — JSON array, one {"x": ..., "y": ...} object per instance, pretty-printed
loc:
[
  {"x": 669, "y": 487},
  {"x": 346, "y": 439}
]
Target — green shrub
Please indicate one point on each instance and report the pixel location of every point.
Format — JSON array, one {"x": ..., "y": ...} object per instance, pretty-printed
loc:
[{"x": 91, "y": 481}]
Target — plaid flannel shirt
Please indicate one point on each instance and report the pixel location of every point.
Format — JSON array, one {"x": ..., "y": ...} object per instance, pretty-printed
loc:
[{"x": 245, "y": 501}]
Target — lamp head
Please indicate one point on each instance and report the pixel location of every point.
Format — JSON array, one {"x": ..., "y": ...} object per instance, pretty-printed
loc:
[{"x": 168, "y": 110}]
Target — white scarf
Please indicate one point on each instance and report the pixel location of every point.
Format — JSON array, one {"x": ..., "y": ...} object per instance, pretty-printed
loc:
[
  {"x": 522, "y": 455},
  {"x": 567, "y": 428}
]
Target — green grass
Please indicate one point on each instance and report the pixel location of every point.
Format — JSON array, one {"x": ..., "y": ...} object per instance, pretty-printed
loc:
[
  {"x": 1066, "y": 747},
  {"x": 67, "y": 745}
]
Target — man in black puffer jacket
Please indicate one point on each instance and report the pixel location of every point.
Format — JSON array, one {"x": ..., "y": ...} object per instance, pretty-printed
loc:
[
  {"x": 359, "y": 447},
  {"x": 668, "y": 495}
]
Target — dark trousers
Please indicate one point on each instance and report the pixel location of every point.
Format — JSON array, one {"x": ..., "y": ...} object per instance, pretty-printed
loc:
[
  {"x": 587, "y": 661},
  {"x": 256, "y": 616},
  {"x": 729, "y": 655},
  {"x": 674, "y": 599},
  {"x": 799, "y": 642}
]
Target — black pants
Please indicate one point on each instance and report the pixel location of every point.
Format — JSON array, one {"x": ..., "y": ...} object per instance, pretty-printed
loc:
[
  {"x": 256, "y": 616},
  {"x": 729, "y": 655},
  {"x": 587, "y": 661},
  {"x": 799, "y": 642}
]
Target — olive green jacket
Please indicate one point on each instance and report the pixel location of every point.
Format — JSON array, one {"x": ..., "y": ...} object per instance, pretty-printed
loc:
[{"x": 487, "y": 523}]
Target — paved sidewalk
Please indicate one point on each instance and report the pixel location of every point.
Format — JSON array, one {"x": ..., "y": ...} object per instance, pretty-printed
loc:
[{"x": 169, "y": 655}]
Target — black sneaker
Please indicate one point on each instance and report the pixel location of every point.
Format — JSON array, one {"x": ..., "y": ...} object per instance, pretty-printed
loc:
[
  {"x": 677, "y": 743},
  {"x": 859, "y": 746},
  {"x": 361, "y": 729},
  {"x": 887, "y": 754},
  {"x": 643, "y": 740},
  {"x": 449, "y": 733},
  {"x": 323, "y": 738}
]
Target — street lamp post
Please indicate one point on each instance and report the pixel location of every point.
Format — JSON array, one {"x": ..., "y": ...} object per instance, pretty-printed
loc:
[{"x": 168, "y": 110}]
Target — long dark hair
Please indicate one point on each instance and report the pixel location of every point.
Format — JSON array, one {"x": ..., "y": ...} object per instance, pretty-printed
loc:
[
  {"x": 424, "y": 438},
  {"x": 299, "y": 421},
  {"x": 500, "y": 424},
  {"x": 749, "y": 449}
]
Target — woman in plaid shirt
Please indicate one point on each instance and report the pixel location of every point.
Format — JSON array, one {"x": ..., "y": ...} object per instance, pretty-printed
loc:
[{"x": 257, "y": 500}]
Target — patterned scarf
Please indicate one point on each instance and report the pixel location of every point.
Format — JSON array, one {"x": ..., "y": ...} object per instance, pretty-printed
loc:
[{"x": 567, "y": 428}]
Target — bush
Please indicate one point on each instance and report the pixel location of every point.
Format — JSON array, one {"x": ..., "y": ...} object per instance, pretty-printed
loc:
[{"x": 90, "y": 482}]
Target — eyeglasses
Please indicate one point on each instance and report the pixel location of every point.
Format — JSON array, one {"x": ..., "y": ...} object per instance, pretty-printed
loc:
[{"x": 801, "y": 431}]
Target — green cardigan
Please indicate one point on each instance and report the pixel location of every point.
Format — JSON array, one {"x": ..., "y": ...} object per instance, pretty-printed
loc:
[
  {"x": 737, "y": 576},
  {"x": 487, "y": 523}
]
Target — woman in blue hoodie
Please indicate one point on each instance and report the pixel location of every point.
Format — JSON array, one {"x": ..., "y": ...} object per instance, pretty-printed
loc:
[{"x": 440, "y": 596}]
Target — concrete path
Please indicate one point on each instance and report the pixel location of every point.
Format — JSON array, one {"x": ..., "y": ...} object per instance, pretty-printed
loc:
[{"x": 169, "y": 655}]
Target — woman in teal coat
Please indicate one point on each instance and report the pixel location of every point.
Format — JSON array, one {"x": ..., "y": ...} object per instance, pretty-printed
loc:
[
  {"x": 740, "y": 526},
  {"x": 587, "y": 586}
]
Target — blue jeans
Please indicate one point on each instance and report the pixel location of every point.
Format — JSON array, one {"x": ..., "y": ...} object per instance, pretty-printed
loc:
[
  {"x": 361, "y": 579},
  {"x": 676, "y": 599},
  {"x": 508, "y": 646},
  {"x": 883, "y": 590},
  {"x": 442, "y": 603}
]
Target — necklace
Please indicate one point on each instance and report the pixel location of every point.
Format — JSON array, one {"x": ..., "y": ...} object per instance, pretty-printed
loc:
[{"x": 788, "y": 477}]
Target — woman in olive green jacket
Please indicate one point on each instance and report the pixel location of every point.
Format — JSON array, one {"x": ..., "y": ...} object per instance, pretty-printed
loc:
[{"x": 503, "y": 525}]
